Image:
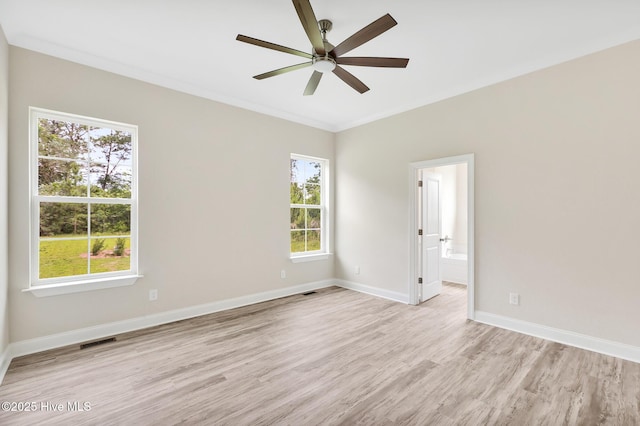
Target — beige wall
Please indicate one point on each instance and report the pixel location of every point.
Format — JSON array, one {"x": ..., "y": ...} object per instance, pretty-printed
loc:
[
  {"x": 4, "y": 118},
  {"x": 556, "y": 185},
  {"x": 214, "y": 196},
  {"x": 460, "y": 232}
]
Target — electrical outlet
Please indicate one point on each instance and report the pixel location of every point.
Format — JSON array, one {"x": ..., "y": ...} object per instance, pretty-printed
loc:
[
  {"x": 514, "y": 299},
  {"x": 283, "y": 274},
  {"x": 358, "y": 270},
  {"x": 153, "y": 294}
]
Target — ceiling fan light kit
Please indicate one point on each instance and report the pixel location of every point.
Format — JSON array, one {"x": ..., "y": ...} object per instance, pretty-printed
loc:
[
  {"x": 323, "y": 64},
  {"x": 325, "y": 57}
]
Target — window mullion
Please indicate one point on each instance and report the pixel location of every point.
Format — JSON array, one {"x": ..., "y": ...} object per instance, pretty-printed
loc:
[
  {"x": 61, "y": 199},
  {"x": 88, "y": 238},
  {"x": 306, "y": 230},
  {"x": 88, "y": 168},
  {"x": 81, "y": 200},
  {"x": 306, "y": 206}
]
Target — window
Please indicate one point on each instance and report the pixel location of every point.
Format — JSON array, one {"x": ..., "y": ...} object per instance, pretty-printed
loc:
[
  {"x": 308, "y": 193},
  {"x": 84, "y": 204}
]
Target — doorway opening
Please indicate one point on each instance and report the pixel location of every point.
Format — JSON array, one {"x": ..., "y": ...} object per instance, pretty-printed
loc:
[{"x": 442, "y": 227}]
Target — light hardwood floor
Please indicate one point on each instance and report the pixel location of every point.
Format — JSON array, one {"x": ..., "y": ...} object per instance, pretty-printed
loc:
[{"x": 335, "y": 357}]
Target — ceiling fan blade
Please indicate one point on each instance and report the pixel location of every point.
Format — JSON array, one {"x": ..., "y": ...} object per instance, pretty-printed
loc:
[
  {"x": 310, "y": 24},
  {"x": 273, "y": 46},
  {"x": 313, "y": 83},
  {"x": 374, "y": 62},
  {"x": 282, "y": 71},
  {"x": 350, "y": 79},
  {"x": 369, "y": 32}
]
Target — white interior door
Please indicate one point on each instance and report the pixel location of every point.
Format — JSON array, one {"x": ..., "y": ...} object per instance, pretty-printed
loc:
[{"x": 431, "y": 230}]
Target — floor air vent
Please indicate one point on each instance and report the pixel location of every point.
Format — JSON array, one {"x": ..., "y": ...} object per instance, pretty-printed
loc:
[
  {"x": 97, "y": 342},
  {"x": 309, "y": 293}
]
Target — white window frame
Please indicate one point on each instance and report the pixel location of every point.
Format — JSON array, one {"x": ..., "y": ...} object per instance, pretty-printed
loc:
[
  {"x": 323, "y": 253},
  {"x": 87, "y": 282}
]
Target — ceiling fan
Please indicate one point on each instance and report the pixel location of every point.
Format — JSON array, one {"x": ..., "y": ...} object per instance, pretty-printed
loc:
[{"x": 324, "y": 57}]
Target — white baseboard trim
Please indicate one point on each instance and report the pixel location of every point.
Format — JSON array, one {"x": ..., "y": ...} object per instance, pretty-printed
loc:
[
  {"x": 5, "y": 360},
  {"x": 582, "y": 341},
  {"x": 39, "y": 344},
  {"x": 373, "y": 291}
]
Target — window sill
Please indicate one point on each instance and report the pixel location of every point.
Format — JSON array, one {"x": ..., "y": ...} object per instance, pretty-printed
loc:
[
  {"x": 80, "y": 286},
  {"x": 310, "y": 257}
]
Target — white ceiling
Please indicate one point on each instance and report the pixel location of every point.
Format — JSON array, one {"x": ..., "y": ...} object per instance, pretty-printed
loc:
[{"x": 454, "y": 45}]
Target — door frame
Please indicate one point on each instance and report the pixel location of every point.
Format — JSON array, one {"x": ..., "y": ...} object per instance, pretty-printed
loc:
[{"x": 414, "y": 171}]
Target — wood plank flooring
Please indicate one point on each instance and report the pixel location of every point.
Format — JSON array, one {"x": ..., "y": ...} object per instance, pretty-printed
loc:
[{"x": 333, "y": 358}]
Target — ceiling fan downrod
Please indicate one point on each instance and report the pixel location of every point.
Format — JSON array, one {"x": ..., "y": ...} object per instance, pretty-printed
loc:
[{"x": 324, "y": 63}]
